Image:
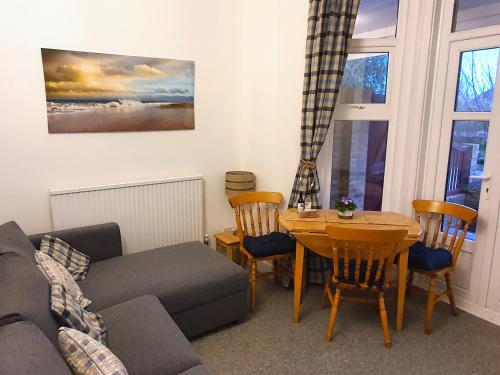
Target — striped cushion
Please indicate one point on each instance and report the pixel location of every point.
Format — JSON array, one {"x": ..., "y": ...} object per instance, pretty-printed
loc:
[
  {"x": 55, "y": 273},
  {"x": 71, "y": 314},
  {"x": 86, "y": 356},
  {"x": 75, "y": 262}
]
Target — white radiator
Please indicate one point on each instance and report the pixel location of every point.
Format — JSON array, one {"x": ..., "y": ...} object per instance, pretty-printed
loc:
[{"x": 150, "y": 213}]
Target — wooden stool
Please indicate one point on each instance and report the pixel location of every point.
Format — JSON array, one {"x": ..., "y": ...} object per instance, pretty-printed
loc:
[{"x": 227, "y": 241}]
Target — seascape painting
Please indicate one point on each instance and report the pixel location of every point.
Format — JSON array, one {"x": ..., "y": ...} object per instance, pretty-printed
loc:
[{"x": 95, "y": 92}]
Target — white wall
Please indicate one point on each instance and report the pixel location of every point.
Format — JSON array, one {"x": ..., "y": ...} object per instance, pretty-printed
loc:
[
  {"x": 274, "y": 39},
  {"x": 208, "y": 32}
]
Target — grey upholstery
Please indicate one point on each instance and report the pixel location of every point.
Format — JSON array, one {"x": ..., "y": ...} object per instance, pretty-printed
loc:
[
  {"x": 24, "y": 349},
  {"x": 181, "y": 276},
  {"x": 203, "y": 318},
  {"x": 100, "y": 242},
  {"x": 25, "y": 293},
  {"x": 202, "y": 290},
  {"x": 13, "y": 240},
  {"x": 197, "y": 370},
  {"x": 145, "y": 338}
]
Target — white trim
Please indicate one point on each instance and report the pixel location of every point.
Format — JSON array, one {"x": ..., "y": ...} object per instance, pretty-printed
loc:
[
  {"x": 53, "y": 192},
  {"x": 477, "y": 310}
]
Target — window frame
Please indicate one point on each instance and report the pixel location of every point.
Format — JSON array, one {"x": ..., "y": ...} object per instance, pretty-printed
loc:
[{"x": 371, "y": 112}]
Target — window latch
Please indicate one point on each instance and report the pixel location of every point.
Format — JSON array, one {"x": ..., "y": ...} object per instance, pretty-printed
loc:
[{"x": 357, "y": 106}]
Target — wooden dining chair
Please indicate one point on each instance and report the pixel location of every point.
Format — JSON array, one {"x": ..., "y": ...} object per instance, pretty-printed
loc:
[
  {"x": 252, "y": 211},
  {"x": 362, "y": 260},
  {"x": 444, "y": 229}
]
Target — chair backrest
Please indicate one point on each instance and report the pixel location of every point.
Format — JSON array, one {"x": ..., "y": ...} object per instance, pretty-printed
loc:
[
  {"x": 366, "y": 254},
  {"x": 440, "y": 219},
  {"x": 251, "y": 209}
]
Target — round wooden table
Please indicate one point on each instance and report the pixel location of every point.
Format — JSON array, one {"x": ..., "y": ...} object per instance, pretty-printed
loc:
[{"x": 310, "y": 234}]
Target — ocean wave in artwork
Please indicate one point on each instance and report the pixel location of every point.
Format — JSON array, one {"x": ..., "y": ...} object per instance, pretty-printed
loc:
[{"x": 120, "y": 104}]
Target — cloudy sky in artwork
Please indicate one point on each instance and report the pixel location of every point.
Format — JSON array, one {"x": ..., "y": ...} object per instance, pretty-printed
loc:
[{"x": 84, "y": 75}]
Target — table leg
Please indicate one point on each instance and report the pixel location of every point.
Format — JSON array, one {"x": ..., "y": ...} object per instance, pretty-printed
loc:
[
  {"x": 297, "y": 282},
  {"x": 402, "y": 273}
]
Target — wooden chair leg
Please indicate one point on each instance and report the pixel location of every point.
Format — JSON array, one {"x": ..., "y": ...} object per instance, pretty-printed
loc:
[
  {"x": 253, "y": 284},
  {"x": 243, "y": 261},
  {"x": 333, "y": 312},
  {"x": 430, "y": 306},
  {"x": 383, "y": 320},
  {"x": 276, "y": 269},
  {"x": 451, "y": 296},
  {"x": 409, "y": 283},
  {"x": 328, "y": 284}
]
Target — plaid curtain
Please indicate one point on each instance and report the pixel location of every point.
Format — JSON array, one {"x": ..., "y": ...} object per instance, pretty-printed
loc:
[{"x": 330, "y": 27}]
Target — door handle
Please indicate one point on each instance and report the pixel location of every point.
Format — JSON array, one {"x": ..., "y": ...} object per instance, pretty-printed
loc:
[{"x": 482, "y": 177}]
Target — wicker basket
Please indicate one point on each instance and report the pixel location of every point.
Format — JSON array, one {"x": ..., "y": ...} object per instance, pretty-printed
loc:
[{"x": 238, "y": 182}]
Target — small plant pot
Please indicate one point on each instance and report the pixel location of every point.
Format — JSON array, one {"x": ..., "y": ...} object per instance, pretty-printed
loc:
[{"x": 346, "y": 215}]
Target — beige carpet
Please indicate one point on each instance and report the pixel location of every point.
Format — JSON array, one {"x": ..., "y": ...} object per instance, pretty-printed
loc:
[{"x": 269, "y": 343}]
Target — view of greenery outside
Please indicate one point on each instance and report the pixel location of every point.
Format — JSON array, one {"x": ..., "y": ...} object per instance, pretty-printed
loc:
[
  {"x": 365, "y": 79},
  {"x": 476, "y": 80}
]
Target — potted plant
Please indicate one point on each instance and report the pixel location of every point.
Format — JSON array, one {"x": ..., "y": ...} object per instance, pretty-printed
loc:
[{"x": 345, "y": 206}]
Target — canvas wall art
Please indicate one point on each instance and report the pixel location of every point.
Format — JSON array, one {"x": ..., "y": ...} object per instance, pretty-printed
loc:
[{"x": 95, "y": 92}]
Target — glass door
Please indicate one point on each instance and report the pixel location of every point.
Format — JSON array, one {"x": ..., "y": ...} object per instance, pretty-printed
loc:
[{"x": 468, "y": 159}]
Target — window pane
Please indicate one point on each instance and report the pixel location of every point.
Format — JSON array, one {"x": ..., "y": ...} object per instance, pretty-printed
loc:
[
  {"x": 471, "y": 14},
  {"x": 358, "y": 162},
  {"x": 476, "y": 80},
  {"x": 376, "y": 19},
  {"x": 365, "y": 78},
  {"x": 467, "y": 152}
]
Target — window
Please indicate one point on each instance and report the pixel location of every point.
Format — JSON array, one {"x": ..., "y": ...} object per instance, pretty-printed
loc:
[
  {"x": 365, "y": 78},
  {"x": 472, "y": 14},
  {"x": 466, "y": 160},
  {"x": 358, "y": 162},
  {"x": 353, "y": 159},
  {"x": 376, "y": 19},
  {"x": 476, "y": 80}
]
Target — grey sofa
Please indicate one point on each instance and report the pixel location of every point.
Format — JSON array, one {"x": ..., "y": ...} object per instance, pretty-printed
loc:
[{"x": 151, "y": 301}]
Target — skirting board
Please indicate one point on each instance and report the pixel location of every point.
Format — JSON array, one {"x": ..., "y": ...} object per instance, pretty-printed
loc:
[{"x": 479, "y": 311}]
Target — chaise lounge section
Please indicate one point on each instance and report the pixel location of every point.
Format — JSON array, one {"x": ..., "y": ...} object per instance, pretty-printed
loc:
[{"x": 151, "y": 301}]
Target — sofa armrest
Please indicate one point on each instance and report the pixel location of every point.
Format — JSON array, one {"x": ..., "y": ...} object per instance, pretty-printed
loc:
[{"x": 100, "y": 242}]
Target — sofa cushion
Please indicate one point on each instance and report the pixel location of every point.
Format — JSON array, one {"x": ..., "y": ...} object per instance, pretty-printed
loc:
[
  {"x": 25, "y": 294},
  {"x": 24, "y": 349},
  {"x": 13, "y": 240},
  {"x": 182, "y": 276},
  {"x": 427, "y": 258},
  {"x": 87, "y": 356},
  {"x": 71, "y": 314},
  {"x": 146, "y": 339},
  {"x": 75, "y": 262},
  {"x": 269, "y": 244},
  {"x": 55, "y": 273}
]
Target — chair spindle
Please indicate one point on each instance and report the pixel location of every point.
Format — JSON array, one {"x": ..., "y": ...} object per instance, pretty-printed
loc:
[
  {"x": 446, "y": 231},
  {"x": 259, "y": 219},
  {"x": 268, "y": 228},
  {"x": 252, "y": 223},
  {"x": 243, "y": 215}
]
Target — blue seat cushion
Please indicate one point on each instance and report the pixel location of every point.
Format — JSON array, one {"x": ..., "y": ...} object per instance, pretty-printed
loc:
[
  {"x": 269, "y": 244},
  {"x": 427, "y": 258}
]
